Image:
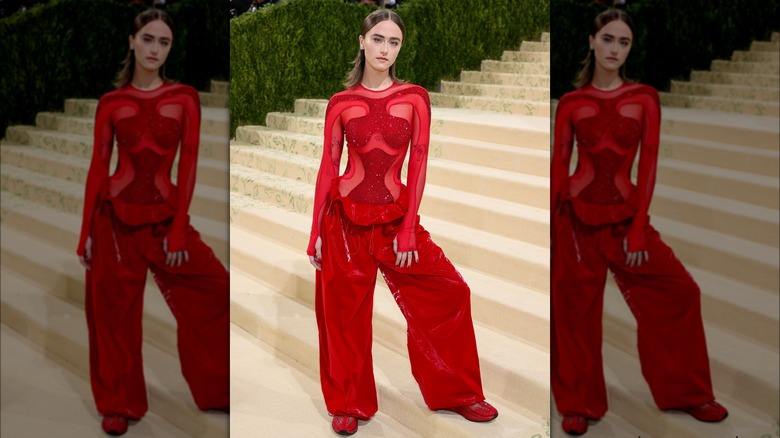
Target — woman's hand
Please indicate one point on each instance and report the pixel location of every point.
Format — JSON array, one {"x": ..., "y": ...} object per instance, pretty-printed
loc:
[
  {"x": 316, "y": 259},
  {"x": 86, "y": 259},
  {"x": 404, "y": 258},
  {"x": 174, "y": 259},
  {"x": 636, "y": 258}
]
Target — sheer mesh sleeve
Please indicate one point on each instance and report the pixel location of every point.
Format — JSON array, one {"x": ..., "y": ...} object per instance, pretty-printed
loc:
[
  {"x": 418, "y": 162},
  {"x": 187, "y": 168},
  {"x": 98, "y": 168},
  {"x": 648, "y": 163},
  {"x": 333, "y": 144},
  {"x": 563, "y": 140}
]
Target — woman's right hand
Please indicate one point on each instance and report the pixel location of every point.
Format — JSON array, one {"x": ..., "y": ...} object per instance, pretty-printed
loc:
[
  {"x": 86, "y": 259},
  {"x": 316, "y": 259}
]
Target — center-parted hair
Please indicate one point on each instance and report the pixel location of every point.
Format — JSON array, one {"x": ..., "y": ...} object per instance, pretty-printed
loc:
[
  {"x": 125, "y": 75},
  {"x": 585, "y": 75},
  {"x": 356, "y": 74}
]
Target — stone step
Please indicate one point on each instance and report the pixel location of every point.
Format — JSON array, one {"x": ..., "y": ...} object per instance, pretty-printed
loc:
[
  {"x": 744, "y": 79},
  {"x": 486, "y": 103},
  {"x": 290, "y": 327},
  {"x": 721, "y": 155},
  {"x": 505, "y": 129},
  {"x": 775, "y": 37},
  {"x": 62, "y": 229},
  {"x": 214, "y": 100},
  {"x": 499, "y": 185},
  {"x": 724, "y": 104},
  {"x": 79, "y": 118},
  {"x": 756, "y": 56},
  {"x": 541, "y": 94},
  {"x": 542, "y": 57},
  {"x": 633, "y": 412},
  {"x": 518, "y": 80},
  {"x": 517, "y": 311},
  {"x": 739, "y": 92},
  {"x": 738, "y": 219},
  {"x": 764, "y": 46},
  {"x": 68, "y": 196},
  {"x": 729, "y": 128},
  {"x": 82, "y": 145},
  {"x": 745, "y": 67},
  {"x": 522, "y": 68},
  {"x": 43, "y": 396},
  {"x": 220, "y": 87},
  {"x": 59, "y": 327},
  {"x": 739, "y": 259},
  {"x": 739, "y": 308},
  {"x": 529, "y": 161},
  {"x": 758, "y": 190},
  {"x": 296, "y": 408},
  {"x": 535, "y": 46},
  {"x": 507, "y": 258},
  {"x": 545, "y": 37},
  {"x": 753, "y": 382}
]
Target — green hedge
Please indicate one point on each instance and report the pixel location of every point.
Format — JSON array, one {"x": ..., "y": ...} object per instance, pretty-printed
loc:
[
  {"x": 303, "y": 48},
  {"x": 74, "y": 48},
  {"x": 673, "y": 36}
]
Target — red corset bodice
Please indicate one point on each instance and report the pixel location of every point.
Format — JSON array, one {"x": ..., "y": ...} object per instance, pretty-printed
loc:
[
  {"x": 379, "y": 127},
  {"x": 148, "y": 126},
  {"x": 609, "y": 126}
]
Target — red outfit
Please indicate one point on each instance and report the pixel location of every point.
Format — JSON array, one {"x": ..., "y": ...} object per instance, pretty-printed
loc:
[
  {"x": 358, "y": 215},
  {"x": 593, "y": 212},
  {"x": 128, "y": 215}
]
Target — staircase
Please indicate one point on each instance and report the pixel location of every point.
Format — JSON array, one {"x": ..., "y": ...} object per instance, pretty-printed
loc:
[
  {"x": 518, "y": 83},
  {"x": 747, "y": 84},
  {"x": 716, "y": 204},
  {"x": 486, "y": 204},
  {"x": 45, "y": 368}
]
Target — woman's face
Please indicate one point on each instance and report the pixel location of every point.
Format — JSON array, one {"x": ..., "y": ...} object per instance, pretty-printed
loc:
[
  {"x": 151, "y": 45},
  {"x": 611, "y": 45},
  {"x": 381, "y": 45}
]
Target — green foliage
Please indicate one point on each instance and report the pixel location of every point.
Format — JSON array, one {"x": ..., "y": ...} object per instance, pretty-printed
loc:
[
  {"x": 304, "y": 48},
  {"x": 74, "y": 48},
  {"x": 673, "y": 37}
]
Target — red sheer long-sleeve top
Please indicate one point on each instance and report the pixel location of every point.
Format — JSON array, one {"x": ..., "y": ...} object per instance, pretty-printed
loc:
[
  {"x": 608, "y": 126},
  {"x": 380, "y": 127},
  {"x": 148, "y": 126}
]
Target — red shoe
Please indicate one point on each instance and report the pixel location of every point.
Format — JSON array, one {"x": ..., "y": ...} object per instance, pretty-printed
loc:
[
  {"x": 574, "y": 424},
  {"x": 478, "y": 412},
  {"x": 344, "y": 425},
  {"x": 711, "y": 412},
  {"x": 114, "y": 424}
]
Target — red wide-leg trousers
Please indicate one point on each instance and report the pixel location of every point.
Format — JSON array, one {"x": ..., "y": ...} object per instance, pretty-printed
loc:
[
  {"x": 196, "y": 292},
  {"x": 431, "y": 295},
  {"x": 661, "y": 294}
]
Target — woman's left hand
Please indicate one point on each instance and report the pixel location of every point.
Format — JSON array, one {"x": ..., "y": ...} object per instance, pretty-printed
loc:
[
  {"x": 634, "y": 259},
  {"x": 174, "y": 259},
  {"x": 404, "y": 259}
]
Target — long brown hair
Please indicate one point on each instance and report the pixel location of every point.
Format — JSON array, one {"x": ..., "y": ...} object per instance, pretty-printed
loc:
[
  {"x": 585, "y": 75},
  {"x": 356, "y": 74},
  {"x": 125, "y": 75}
]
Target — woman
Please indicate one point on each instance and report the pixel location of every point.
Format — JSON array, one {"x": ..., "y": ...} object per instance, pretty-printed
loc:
[
  {"x": 600, "y": 222},
  {"x": 367, "y": 219},
  {"x": 137, "y": 219}
]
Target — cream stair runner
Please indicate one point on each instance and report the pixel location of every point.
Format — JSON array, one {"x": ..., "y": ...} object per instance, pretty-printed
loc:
[
  {"x": 486, "y": 203},
  {"x": 44, "y": 170},
  {"x": 716, "y": 205}
]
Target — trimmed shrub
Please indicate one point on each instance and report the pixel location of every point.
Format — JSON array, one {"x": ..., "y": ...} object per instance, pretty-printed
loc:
[
  {"x": 673, "y": 37},
  {"x": 303, "y": 48},
  {"x": 74, "y": 48}
]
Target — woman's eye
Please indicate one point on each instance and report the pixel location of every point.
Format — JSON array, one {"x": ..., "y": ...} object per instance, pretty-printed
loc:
[
  {"x": 148, "y": 39},
  {"x": 394, "y": 43},
  {"x": 377, "y": 40}
]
